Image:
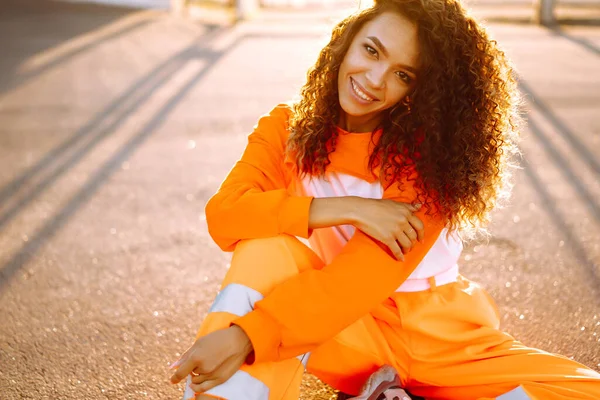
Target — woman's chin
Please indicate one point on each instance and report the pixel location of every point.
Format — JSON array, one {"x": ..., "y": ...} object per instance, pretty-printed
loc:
[{"x": 352, "y": 109}]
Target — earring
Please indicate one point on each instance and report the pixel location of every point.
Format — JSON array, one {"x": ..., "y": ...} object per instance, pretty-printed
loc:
[{"x": 406, "y": 103}]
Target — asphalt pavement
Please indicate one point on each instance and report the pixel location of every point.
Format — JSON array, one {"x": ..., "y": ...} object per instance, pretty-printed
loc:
[{"x": 118, "y": 124}]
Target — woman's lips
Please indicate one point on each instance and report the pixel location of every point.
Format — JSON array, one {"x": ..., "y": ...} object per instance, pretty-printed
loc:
[{"x": 361, "y": 92}]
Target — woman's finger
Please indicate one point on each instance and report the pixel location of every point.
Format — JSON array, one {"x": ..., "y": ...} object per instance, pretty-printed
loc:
[
  {"x": 198, "y": 379},
  {"x": 218, "y": 375},
  {"x": 182, "y": 359},
  {"x": 413, "y": 207},
  {"x": 176, "y": 363},
  {"x": 418, "y": 226},
  {"x": 184, "y": 370},
  {"x": 205, "y": 386},
  {"x": 395, "y": 249},
  {"x": 404, "y": 242},
  {"x": 411, "y": 233}
]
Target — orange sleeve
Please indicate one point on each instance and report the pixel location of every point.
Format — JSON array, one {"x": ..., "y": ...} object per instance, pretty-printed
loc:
[
  {"x": 253, "y": 201},
  {"x": 312, "y": 307}
]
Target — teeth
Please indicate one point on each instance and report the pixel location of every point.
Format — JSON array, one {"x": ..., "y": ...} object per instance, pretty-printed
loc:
[{"x": 360, "y": 93}]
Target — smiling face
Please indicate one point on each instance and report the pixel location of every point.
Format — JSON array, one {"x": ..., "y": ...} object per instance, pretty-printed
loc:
[{"x": 378, "y": 71}]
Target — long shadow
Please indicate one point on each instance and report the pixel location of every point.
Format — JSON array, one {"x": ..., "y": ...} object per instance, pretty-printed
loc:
[
  {"x": 561, "y": 128},
  {"x": 134, "y": 99},
  {"x": 56, "y": 22},
  {"x": 108, "y": 168},
  {"x": 112, "y": 165},
  {"x": 140, "y": 89},
  {"x": 10, "y": 188},
  {"x": 99, "y": 129},
  {"x": 591, "y": 270},
  {"x": 23, "y": 78},
  {"x": 117, "y": 113},
  {"x": 586, "y": 44},
  {"x": 528, "y": 20},
  {"x": 566, "y": 169}
]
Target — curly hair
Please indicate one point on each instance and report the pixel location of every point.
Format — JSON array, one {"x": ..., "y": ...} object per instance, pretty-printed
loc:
[{"x": 460, "y": 137}]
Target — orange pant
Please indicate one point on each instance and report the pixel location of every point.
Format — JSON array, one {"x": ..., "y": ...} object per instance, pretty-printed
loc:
[{"x": 444, "y": 342}]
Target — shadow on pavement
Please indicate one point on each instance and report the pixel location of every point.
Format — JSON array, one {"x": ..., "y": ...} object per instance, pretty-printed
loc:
[
  {"x": 97, "y": 130},
  {"x": 564, "y": 131},
  {"x": 589, "y": 200},
  {"x": 586, "y": 44},
  {"x": 566, "y": 169},
  {"x": 528, "y": 20},
  {"x": 42, "y": 25},
  {"x": 118, "y": 112},
  {"x": 577, "y": 249}
]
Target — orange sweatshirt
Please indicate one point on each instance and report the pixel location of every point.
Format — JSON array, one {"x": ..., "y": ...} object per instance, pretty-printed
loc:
[{"x": 259, "y": 199}]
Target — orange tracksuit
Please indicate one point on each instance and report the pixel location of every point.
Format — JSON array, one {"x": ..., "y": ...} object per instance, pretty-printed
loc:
[{"x": 343, "y": 306}]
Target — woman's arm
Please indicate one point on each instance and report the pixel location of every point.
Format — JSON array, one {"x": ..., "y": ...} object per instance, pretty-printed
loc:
[
  {"x": 312, "y": 307},
  {"x": 253, "y": 201},
  {"x": 390, "y": 222},
  {"x": 333, "y": 211},
  {"x": 304, "y": 311}
]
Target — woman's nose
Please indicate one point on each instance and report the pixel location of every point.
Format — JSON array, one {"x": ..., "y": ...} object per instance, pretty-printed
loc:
[{"x": 376, "y": 78}]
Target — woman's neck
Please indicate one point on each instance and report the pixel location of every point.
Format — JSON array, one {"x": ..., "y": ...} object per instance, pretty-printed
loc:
[{"x": 362, "y": 124}]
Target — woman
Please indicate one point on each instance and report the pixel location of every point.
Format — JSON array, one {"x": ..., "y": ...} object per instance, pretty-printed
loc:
[{"x": 401, "y": 139}]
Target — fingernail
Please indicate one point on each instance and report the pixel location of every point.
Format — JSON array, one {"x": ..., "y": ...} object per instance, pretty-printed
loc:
[{"x": 175, "y": 364}]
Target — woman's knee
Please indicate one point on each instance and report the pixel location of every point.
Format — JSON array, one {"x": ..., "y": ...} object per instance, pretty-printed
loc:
[
  {"x": 273, "y": 254},
  {"x": 268, "y": 243}
]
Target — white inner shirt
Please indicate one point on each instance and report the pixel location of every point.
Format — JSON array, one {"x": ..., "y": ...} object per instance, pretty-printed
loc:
[{"x": 328, "y": 242}]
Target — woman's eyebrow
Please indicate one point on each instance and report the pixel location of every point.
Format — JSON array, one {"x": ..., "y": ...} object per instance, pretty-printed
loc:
[
  {"x": 378, "y": 43},
  {"x": 384, "y": 50}
]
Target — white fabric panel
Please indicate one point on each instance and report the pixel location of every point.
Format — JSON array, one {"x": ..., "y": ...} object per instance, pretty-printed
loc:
[
  {"x": 304, "y": 358},
  {"x": 418, "y": 285},
  {"x": 516, "y": 394},
  {"x": 236, "y": 299},
  {"x": 442, "y": 256},
  {"x": 328, "y": 242},
  {"x": 188, "y": 393},
  {"x": 241, "y": 385}
]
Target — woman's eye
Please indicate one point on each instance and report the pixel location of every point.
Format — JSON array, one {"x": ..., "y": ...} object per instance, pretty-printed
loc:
[
  {"x": 371, "y": 50},
  {"x": 404, "y": 76}
]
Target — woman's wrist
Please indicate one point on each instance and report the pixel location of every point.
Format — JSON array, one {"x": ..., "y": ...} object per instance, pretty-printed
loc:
[
  {"x": 352, "y": 209},
  {"x": 333, "y": 211},
  {"x": 244, "y": 342}
]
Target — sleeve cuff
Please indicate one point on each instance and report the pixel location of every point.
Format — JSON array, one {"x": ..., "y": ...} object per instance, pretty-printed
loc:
[
  {"x": 293, "y": 217},
  {"x": 263, "y": 333}
]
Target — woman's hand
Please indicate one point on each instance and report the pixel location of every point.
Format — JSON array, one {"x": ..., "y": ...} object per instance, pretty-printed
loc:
[
  {"x": 390, "y": 222},
  {"x": 213, "y": 358}
]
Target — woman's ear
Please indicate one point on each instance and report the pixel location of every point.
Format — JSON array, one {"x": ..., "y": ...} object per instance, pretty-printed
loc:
[{"x": 407, "y": 102}]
